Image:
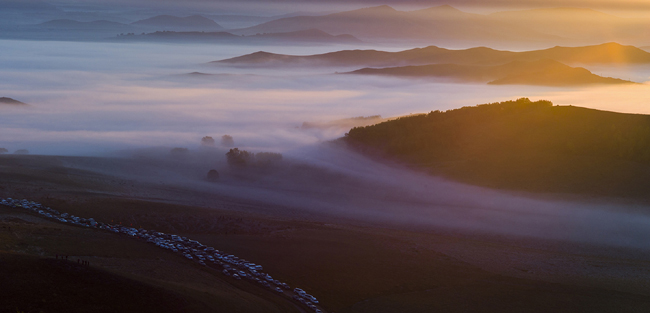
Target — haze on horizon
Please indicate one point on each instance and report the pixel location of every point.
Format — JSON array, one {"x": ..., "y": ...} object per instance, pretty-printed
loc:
[{"x": 624, "y": 8}]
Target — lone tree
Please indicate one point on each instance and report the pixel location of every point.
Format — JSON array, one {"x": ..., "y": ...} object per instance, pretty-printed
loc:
[
  {"x": 207, "y": 141},
  {"x": 242, "y": 158},
  {"x": 238, "y": 157},
  {"x": 213, "y": 175},
  {"x": 227, "y": 141},
  {"x": 3, "y": 151}
]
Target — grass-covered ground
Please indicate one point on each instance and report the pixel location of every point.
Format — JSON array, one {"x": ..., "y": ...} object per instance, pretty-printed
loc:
[
  {"x": 350, "y": 267},
  {"x": 522, "y": 145}
]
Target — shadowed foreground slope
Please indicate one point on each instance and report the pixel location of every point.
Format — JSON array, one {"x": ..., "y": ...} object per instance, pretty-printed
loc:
[
  {"x": 32, "y": 284},
  {"x": 522, "y": 145}
]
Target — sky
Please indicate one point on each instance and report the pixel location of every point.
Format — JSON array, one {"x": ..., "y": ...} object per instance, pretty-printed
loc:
[{"x": 259, "y": 6}]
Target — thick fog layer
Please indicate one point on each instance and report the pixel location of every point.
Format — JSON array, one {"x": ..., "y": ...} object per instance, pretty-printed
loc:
[
  {"x": 97, "y": 98},
  {"x": 327, "y": 182},
  {"x": 93, "y": 98}
]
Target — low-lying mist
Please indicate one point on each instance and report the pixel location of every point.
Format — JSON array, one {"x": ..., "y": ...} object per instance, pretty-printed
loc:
[
  {"x": 94, "y": 98},
  {"x": 328, "y": 182},
  {"x": 98, "y": 98}
]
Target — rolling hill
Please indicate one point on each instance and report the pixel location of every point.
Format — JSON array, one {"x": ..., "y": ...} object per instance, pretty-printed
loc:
[
  {"x": 541, "y": 73},
  {"x": 521, "y": 145},
  {"x": 609, "y": 53}
]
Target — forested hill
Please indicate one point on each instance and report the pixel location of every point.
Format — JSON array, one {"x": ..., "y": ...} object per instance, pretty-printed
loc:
[{"x": 522, "y": 145}]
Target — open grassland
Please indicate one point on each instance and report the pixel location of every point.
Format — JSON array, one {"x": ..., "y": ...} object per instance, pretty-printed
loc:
[
  {"x": 522, "y": 145},
  {"x": 350, "y": 267}
]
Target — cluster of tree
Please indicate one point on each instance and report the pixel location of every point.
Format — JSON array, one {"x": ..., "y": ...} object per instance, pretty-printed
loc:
[
  {"x": 226, "y": 141},
  {"x": 521, "y": 145},
  {"x": 3, "y": 151},
  {"x": 242, "y": 158}
]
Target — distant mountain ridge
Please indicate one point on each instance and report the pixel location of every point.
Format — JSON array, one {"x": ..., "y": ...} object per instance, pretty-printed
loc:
[
  {"x": 440, "y": 25},
  {"x": 556, "y": 26},
  {"x": 609, "y": 53},
  {"x": 384, "y": 22},
  {"x": 539, "y": 73}
]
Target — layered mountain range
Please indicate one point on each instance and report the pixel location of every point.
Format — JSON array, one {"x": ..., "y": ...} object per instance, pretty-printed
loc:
[
  {"x": 445, "y": 23},
  {"x": 440, "y": 25},
  {"x": 609, "y": 53},
  {"x": 548, "y": 67}
]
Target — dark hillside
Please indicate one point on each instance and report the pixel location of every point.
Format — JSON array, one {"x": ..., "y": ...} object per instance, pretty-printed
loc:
[
  {"x": 32, "y": 284},
  {"x": 522, "y": 145}
]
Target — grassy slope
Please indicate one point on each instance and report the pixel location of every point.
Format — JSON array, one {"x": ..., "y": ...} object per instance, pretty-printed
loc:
[
  {"x": 33, "y": 284},
  {"x": 125, "y": 275},
  {"x": 523, "y": 146},
  {"x": 351, "y": 269}
]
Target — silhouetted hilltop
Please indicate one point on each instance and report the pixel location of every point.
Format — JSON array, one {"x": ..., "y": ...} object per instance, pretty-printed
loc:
[
  {"x": 549, "y": 73},
  {"x": 522, "y": 145},
  {"x": 166, "y": 22},
  {"x": 609, "y": 53},
  {"x": 340, "y": 58},
  {"x": 542, "y": 73},
  {"x": 10, "y": 101}
]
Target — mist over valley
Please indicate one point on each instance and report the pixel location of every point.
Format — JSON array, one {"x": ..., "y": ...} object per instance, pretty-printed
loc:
[{"x": 371, "y": 158}]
